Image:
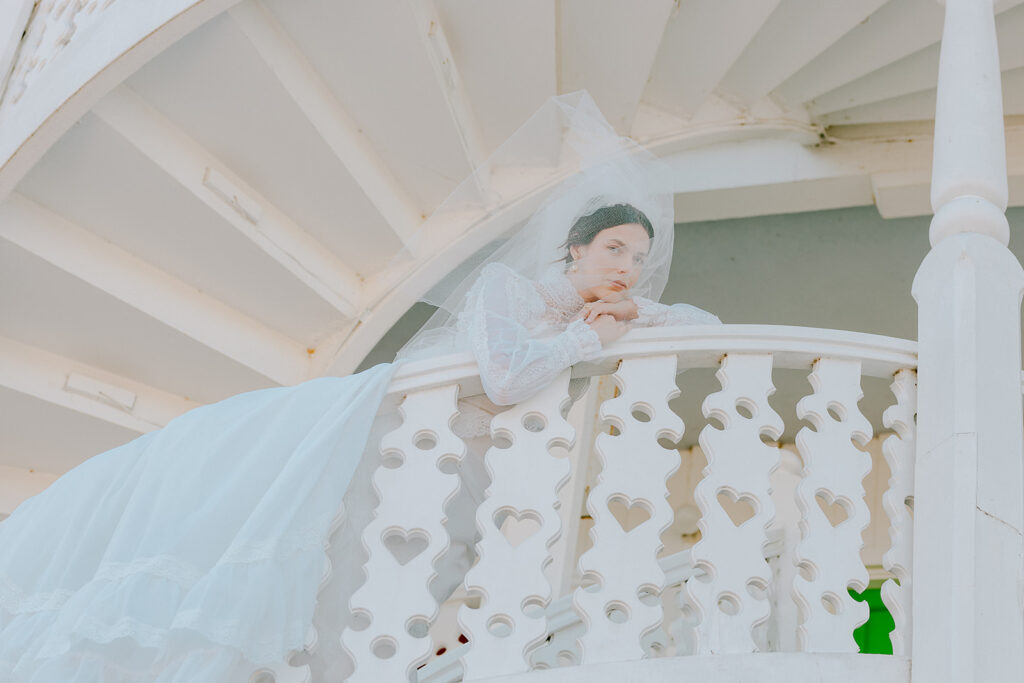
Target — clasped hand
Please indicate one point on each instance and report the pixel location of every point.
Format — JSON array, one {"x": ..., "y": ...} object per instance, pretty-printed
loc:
[{"x": 610, "y": 319}]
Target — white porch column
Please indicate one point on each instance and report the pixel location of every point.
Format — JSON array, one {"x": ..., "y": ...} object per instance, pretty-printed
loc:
[{"x": 967, "y": 614}]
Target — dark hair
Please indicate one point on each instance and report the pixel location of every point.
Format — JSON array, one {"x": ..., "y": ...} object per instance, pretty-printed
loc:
[{"x": 585, "y": 229}]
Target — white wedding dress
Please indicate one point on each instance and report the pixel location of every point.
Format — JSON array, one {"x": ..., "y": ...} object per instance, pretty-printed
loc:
[{"x": 194, "y": 554}]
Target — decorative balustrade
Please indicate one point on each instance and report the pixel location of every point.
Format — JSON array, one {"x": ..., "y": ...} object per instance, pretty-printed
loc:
[{"x": 747, "y": 586}]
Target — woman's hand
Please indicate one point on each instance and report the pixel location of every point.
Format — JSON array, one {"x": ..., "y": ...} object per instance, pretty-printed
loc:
[
  {"x": 608, "y": 328},
  {"x": 623, "y": 310}
]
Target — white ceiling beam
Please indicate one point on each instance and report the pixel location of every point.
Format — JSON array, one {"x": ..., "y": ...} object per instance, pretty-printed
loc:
[
  {"x": 152, "y": 291},
  {"x": 763, "y": 177},
  {"x": 213, "y": 183},
  {"x": 515, "y": 39},
  {"x": 797, "y": 32},
  {"x": 87, "y": 390},
  {"x": 914, "y": 106},
  {"x": 917, "y": 106},
  {"x": 439, "y": 54},
  {"x": 337, "y": 128},
  {"x": 919, "y": 72},
  {"x": 911, "y": 74},
  {"x": 702, "y": 40},
  {"x": 895, "y": 31},
  {"x": 18, "y": 485},
  {"x": 609, "y": 48}
]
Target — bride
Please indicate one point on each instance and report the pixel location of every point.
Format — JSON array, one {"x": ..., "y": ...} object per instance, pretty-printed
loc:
[{"x": 194, "y": 554}]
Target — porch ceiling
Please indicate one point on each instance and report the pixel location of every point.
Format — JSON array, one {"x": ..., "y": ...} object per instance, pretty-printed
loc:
[{"x": 233, "y": 213}]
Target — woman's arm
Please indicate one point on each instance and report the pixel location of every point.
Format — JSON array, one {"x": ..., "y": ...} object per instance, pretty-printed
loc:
[
  {"x": 514, "y": 366},
  {"x": 653, "y": 314}
]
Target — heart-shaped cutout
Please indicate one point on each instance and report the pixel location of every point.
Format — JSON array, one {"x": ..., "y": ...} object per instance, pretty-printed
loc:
[
  {"x": 834, "y": 510},
  {"x": 739, "y": 507},
  {"x": 404, "y": 545},
  {"x": 515, "y": 525},
  {"x": 629, "y": 513}
]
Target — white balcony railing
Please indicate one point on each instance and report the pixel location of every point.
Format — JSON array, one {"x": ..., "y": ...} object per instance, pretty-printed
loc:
[{"x": 732, "y": 593}]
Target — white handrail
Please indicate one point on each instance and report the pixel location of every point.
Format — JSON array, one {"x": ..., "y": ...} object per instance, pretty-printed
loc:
[{"x": 695, "y": 347}]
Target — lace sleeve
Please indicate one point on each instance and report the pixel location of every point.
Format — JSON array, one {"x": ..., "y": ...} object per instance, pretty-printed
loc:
[
  {"x": 514, "y": 366},
  {"x": 653, "y": 314}
]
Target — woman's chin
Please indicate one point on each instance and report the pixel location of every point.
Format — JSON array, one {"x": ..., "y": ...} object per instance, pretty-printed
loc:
[{"x": 610, "y": 294}]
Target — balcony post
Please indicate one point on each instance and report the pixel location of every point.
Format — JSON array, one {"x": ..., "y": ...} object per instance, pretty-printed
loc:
[{"x": 969, "y": 490}]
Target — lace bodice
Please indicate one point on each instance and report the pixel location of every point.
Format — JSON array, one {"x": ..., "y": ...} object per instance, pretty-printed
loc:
[{"x": 524, "y": 333}]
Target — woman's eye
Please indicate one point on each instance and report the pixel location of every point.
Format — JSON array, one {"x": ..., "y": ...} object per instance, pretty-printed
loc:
[{"x": 614, "y": 249}]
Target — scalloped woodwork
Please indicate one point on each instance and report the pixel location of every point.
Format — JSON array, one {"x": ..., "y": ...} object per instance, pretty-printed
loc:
[
  {"x": 509, "y": 576},
  {"x": 621, "y": 606},
  {"x": 404, "y": 539},
  {"x": 899, "y": 451},
  {"x": 734, "y": 498},
  {"x": 834, "y": 469}
]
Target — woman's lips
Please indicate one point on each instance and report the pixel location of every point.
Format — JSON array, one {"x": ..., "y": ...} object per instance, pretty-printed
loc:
[{"x": 618, "y": 284}]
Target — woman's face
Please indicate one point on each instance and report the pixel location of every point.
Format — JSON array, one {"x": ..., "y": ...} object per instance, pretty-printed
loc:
[{"x": 611, "y": 263}]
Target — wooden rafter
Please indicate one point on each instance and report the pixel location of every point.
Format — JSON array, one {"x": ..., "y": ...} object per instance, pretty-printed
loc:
[
  {"x": 152, "y": 291},
  {"x": 46, "y": 376},
  {"x": 255, "y": 217},
  {"x": 337, "y": 128}
]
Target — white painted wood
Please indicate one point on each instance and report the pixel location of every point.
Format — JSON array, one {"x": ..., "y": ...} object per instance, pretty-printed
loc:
[
  {"x": 831, "y": 498},
  {"x": 906, "y": 109},
  {"x": 896, "y": 30},
  {"x": 339, "y": 131},
  {"x": 517, "y": 40},
  {"x": 762, "y": 668},
  {"x": 967, "y": 489},
  {"x": 969, "y": 163},
  {"x": 585, "y": 418},
  {"x": 155, "y": 293},
  {"x": 732, "y": 597},
  {"x": 441, "y": 59},
  {"x": 968, "y": 473},
  {"x": 270, "y": 229},
  {"x": 703, "y": 38},
  {"x": 122, "y": 36},
  {"x": 90, "y": 387},
  {"x": 18, "y": 484},
  {"x": 806, "y": 28},
  {"x": 913, "y": 74},
  {"x": 392, "y": 612},
  {"x": 621, "y": 603},
  {"x": 518, "y": 522},
  {"x": 899, "y": 502},
  {"x": 969, "y": 483},
  {"x": 793, "y": 348},
  {"x": 785, "y": 616},
  {"x": 899, "y": 194},
  {"x": 282, "y": 673},
  {"x": 609, "y": 49},
  {"x": 14, "y": 16},
  {"x": 48, "y": 29}
]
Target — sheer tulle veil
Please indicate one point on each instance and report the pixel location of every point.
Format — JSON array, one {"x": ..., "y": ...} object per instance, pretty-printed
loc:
[{"x": 587, "y": 166}]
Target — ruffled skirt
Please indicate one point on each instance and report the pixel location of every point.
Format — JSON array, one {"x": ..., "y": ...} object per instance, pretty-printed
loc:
[{"x": 192, "y": 554}]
